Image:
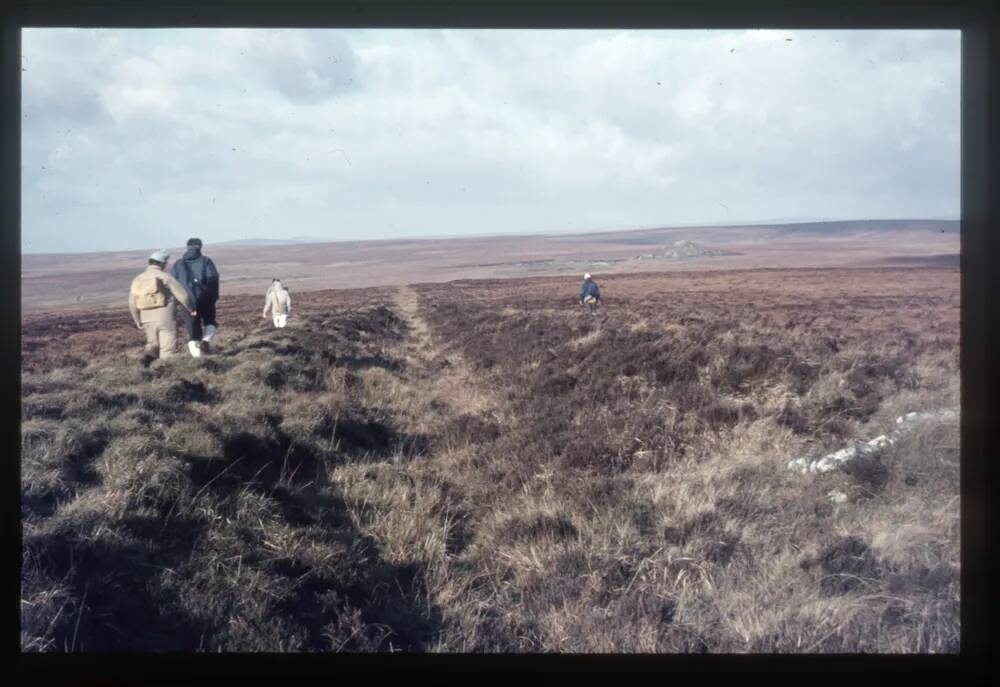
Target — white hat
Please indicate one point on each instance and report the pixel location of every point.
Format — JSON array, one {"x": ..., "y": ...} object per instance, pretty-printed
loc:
[
  {"x": 160, "y": 256},
  {"x": 586, "y": 276}
]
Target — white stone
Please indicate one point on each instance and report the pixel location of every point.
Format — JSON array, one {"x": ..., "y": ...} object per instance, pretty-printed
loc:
[{"x": 837, "y": 458}]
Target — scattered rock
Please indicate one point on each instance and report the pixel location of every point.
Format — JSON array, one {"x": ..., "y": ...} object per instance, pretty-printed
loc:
[
  {"x": 683, "y": 249},
  {"x": 868, "y": 449},
  {"x": 837, "y": 496}
]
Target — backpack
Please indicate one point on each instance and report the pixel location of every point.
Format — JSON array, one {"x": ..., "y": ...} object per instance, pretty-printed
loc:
[
  {"x": 148, "y": 292},
  {"x": 197, "y": 284},
  {"x": 281, "y": 300}
]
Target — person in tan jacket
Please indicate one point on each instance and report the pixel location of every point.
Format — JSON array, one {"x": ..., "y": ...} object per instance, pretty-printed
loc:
[
  {"x": 279, "y": 302},
  {"x": 152, "y": 301}
]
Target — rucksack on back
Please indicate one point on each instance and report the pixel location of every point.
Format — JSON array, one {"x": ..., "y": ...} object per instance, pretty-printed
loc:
[
  {"x": 196, "y": 284},
  {"x": 281, "y": 300},
  {"x": 148, "y": 292}
]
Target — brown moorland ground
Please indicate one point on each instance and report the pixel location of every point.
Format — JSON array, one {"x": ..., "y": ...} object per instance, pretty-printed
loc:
[
  {"x": 483, "y": 466},
  {"x": 86, "y": 281}
]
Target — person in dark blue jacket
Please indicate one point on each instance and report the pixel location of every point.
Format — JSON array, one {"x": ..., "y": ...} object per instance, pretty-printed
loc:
[
  {"x": 589, "y": 293},
  {"x": 199, "y": 276}
]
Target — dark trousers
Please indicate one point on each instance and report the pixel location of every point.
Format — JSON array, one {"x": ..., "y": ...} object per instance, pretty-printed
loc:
[{"x": 194, "y": 323}]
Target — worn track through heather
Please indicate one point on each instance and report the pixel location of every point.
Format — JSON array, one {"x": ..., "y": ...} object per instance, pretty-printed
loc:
[{"x": 439, "y": 373}]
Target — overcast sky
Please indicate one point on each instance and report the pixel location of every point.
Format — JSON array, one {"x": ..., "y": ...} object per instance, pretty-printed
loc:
[{"x": 141, "y": 138}]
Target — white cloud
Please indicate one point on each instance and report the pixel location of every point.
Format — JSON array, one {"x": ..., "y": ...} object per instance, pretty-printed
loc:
[{"x": 139, "y": 88}]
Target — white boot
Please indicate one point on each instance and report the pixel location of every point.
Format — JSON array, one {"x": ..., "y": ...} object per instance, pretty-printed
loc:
[
  {"x": 195, "y": 349},
  {"x": 210, "y": 330}
]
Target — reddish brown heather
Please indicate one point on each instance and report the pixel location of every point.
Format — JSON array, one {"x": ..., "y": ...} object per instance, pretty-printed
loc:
[{"x": 484, "y": 466}]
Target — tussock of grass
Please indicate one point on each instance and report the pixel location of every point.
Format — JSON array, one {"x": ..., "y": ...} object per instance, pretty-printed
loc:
[
  {"x": 189, "y": 506},
  {"x": 683, "y": 422}
]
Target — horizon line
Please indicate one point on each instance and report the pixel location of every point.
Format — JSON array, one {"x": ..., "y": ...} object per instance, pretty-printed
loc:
[{"x": 569, "y": 232}]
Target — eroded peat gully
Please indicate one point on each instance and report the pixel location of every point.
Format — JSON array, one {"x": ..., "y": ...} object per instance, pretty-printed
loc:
[{"x": 460, "y": 467}]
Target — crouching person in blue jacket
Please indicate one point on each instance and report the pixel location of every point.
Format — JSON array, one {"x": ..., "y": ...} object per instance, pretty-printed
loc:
[{"x": 590, "y": 295}]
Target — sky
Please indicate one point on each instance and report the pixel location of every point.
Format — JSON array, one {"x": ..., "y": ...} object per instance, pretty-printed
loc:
[{"x": 141, "y": 138}]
